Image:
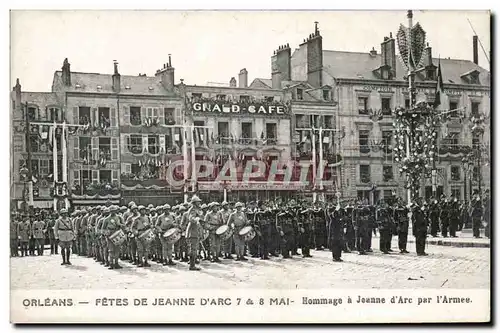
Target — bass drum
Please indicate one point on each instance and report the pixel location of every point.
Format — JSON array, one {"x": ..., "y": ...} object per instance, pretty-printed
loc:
[
  {"x": 172, "y": 235},
  {"x": 224, "y": 232}
]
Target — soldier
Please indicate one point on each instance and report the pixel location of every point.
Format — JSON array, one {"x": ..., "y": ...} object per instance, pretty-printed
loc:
[
  {"x": 306, "y": 230},
  {"x": 112, "y": 224},
  {"x": 336, "y": 233},
  {"x": 238, "y": 220},
  {"x": 194, "y": 231},
  {"x": 92, "y": 238},
  {"x": 131, "y": 239},
  {"x": 75, "y": 220},
  {"x": 213, "y": 221},
  {"x": 284, "y": 225},
  {"x": 444, "y": 217},
  {"x": 140, "y": 225},
  {"x": 38, "y": 233},
  {"x": 24, "y": 233},
  {"x": 81, "y": 233},
  {"x": 350, "y": 234},
  {"x": 165, "y": 222},
  {"x": 487, "y": 214},
  {"x": 320, "y": 236},
  {"x": 476, "y": 214},
  {"x": 156, "y": 244},
  {"x": 228, "y": 243},
  {"x": 384, "y": 222},
  {"x": 402, "y": 221},
  {"x": 434, "y": 217},
  {"x": 101, "y": 232},
  {"x": 362, "y": 228},
  {"x": 14, "y": 242},
  {"x": 454, "y": 217},
  {"x": 63, "y": 231},
  {"x": 419, "y": 228},
  {"x": 263, "y": 221}
]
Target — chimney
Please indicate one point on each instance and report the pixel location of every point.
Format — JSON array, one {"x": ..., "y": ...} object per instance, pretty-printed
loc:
[
  {"x": 116, "y": 78},
  {"x": 167, "y": 75},
  {"x": 388, "y": 53},
  {"x": 281, "y": 62},
  {"x": 474, "y": 50},
  {"x": 276, "y": 80},
  {"x": 17, "y": 90},
  {"x": 373, "y": 52},
  {"x": 243, "y": 78},
  {"x": 66, "y": 73},
  {"x": 314, "y": 51},
  {"x": 232, "y": 82}
]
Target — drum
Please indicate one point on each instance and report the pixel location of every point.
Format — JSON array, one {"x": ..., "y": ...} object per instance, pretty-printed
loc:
[
  {"x": 224, "y": 232},
  {"x": 247, "y": 233},
  {"x": 147, "y": 236},
  {"x": 118, "y": 237},
  {"x": 172, "y": 235},
  {"x": 66, "y": 235}
]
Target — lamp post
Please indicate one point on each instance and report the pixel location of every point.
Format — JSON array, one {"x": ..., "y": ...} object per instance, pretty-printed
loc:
[
  {"x": 477, "y": 130},
  {"x": 467, "y": 165}
]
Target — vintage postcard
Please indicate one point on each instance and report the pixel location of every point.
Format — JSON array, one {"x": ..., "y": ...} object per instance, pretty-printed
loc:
[{"x": 250, "y": 166}]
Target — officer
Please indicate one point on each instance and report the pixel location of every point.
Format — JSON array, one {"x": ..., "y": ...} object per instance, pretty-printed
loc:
[
  {"x": 139, "y": 226},
  {"x": 112, "y": 224},
  {"x": 434, "y": 217},
  {"x": 419, "y": 224},
  {"x": 444, "y": 217},
  {"x": 39, "y": 234},
  {"x": 194, "y": 231},
  {"x": 63, "y": 231},
  {"x": 454, "y": 216},
  {"x": 24, "y": 233},
  {"x": 336, "y": 233},
  {"x": 476, "y": 214},
  {"x": 384, "y": 222},
  {"x": 165, "y": 222}
]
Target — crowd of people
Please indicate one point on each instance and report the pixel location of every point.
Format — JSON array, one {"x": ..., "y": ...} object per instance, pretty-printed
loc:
[{"x": 195, "y": 231}]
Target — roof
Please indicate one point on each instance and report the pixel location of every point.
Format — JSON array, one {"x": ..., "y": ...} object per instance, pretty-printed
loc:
[
  {"x": 358, "y": 65},
  {"x": 269, "y": 83},
  {"x": 45, "y": 98},
  {"x": 138, "y": 85}
]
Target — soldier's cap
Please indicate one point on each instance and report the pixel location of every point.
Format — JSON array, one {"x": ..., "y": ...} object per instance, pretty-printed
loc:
[
  {"x": 83, "y": 211},
  {"x": 166, "y": 206},
  {"x": 141, "y": 207},
  {"x": 182, "y": 207},
  {"x": 123, "y": 208},
  {"x": 106, "y": 210},
  {"x": 239, "y": 204},
  {"x": 150, "y": 206},
  {"x": 215, "y": 204},
  {"x": 63, "y": 211},
  {"x": 175, "y": 207},
  {"x": 131, "y": 203},
  {"x": 195, "y": 198},
  {"x": 113, "y": 208},
  {"x": 133, "y": 207},
  {"x": 224, "y": 203},
  {"x": 204, "y": 206}
]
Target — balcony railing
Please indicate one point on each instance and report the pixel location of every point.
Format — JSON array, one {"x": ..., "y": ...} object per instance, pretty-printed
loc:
[{"x": 364, "y": 149}]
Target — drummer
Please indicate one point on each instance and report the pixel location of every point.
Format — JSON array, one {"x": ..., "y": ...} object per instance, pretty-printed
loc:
[
  {"x": 112, "y": 224},
  {"x": 194, "y": 230},
  {"x": 63, "y": 226},
  {"x": 131, "y": 241},
  {"x": 165, "y": 222},
  {"x": 224, "y": 213},
  {"x": 103, "y": 246},
  {"x": 213, "y": 221},
  {"x": 238, "y": 220},
  {"x": 140, "y": 225},
  {"x": 156, "y": 244}
]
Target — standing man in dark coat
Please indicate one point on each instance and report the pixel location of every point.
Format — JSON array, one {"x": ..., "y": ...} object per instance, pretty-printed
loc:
[
  {"x": 434, "y": 217},
  {"x": 384, "y": 222},
  {"x": 444, "y": 216},
  {"x": 305, "y": 228},
  {"x": 419, "y": 223},
  {"x": 336, "y": 234},
  {"x": 402, "y": 221},
  {"x": 454, "y": 217},
  {"x": 476, "y": 214}
]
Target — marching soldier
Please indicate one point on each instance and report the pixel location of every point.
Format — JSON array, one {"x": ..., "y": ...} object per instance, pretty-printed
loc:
[
  {"x": 454, "y": 217},
  {"x": 165, "y": 222},
  {"x": 63, "y": 231},
  {"x": 335, "y": 234},
  {"x": 39, "y": 235},
  {"x": 194, "y": 231},
  {"x": 23, "y": 233},
  {"x": 476, "y": 214},
  {"x": 140, "y": 225},
  {"x": 434, "y": 217},
  {"x": 238, "y": 220},
  {"x": 112, "y": 224},
  {"x": 402, "y": 221},
  {"x": 419, "y": 228},
  {"x": 157, "y": 248},
  {"x": 214, "y": 221}
]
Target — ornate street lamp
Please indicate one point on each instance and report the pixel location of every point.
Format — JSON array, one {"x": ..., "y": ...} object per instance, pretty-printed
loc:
[{"x": 477, "y": 130}]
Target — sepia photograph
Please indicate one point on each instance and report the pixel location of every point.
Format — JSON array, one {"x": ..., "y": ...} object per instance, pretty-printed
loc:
[{"x": 250, "y": 166}]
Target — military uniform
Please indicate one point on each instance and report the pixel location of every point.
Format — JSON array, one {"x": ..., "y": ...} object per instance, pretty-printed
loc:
[
  {"x": 131, "y": 239},
  {"x": 213, "y": 221},
  {"x": 306, "y": 229},
  {"x": 284, "y": 225},
  {"x": 39, "y": 235},
  {"x": 238, "y": 220},
  {"x": 320, "y": 237},
  {"x": 165, "y": 222},
  {"x": 336, "y": 234},
  {"x": 140, "y": 225},
  {"x": 362, "y": 229},
  {"x": 82, "y": 227},
  {"x": 445, "y": 218},
  {"x": 454, "y": 216},
  {"x": 401, "y": 218},
  {"x": 24, "y": 233},
  {"x": 228, "y": 243},
  {"x": 384, "y": 222},
  {"x": 14, "y": 242},
  {"x": 350, "y": 234},
  {"x": 434, "y": 217},
  {"x": 264, "y": 219},
  {"x": 194, "y": 232},
  {"x": 476, "y": 214},
  {"x": 64, "y": 231},
  {"x": 419, "y": 229},
  {"x": 111, "y": 224}
]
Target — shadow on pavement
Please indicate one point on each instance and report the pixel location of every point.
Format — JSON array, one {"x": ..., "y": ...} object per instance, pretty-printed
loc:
[{"x": 77, "y": 267}]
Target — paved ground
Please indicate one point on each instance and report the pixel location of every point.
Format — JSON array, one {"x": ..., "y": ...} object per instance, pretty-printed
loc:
[{"x": 445, "y": 267}]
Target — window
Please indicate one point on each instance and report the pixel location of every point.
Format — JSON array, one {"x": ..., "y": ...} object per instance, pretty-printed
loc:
[
  {"x": 454, "y": 139},
  {"x": 135, "y": 169},
  {"x": 54, "y": 114},
  {"x": 474, "y": 78},
  {"x": 386, "y": 106},
  {"x": 453, "y": 106},
  {"x": 475, "y": 173},
  {"x": 271, "y": 133},
  {"x": 430, "y": 74},
  {"x": 34, "y": 143},
  {"x": 385, "y": 74},
  {"x": 246, "y": 133},
  {"x": 326, "y": 95},
  {"x": 300, "y": 94},
  {"x": 153, "y": 144},
  {"x": 301, "y": 121},
  {"x": 135, "y": 115},
  {"x": 245, "y": 98},
  {"x": 387, "y": 141},
  {"x": 456, "y": 193},
  {"x": 475, "y": 141},
  {"x": 363, "y": 105},
  {"x": 364, "y": 195},
  {"x": 407, "y": 103},
  {"x": 455, "y": 172},
  {"x": 387, "y": 194},
  {"x": 169, "y": 115},
  {"x": 364, "y": 173},
  {"x": 363, "y": 142},
  {"x": 196, "y": 96},
  {"x": 221, "y": 97},
  {"x": 104, "y": 118},
  {"x": 105, "y": 148},
  {"x": 85, "y": 178},
  {"x": 45, "y": 167},
  {"x": 84, "y": 117},
  {"x": 85, "y": 148},
  {"x": 223, "y": 131},
  {"x": 387, "y": 173},
  {"x": 105, "y": 176},
  {"x": 329, "y": 122},
  {"x": 269, "y": 99},
  {"x": 474, "y": 108},
  {"x": 135, "y": 145}
]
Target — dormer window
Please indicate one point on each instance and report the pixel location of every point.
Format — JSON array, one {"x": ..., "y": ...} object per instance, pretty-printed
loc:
[
  {"x": 430, "y": 74},
  {"x": 326, "y": 95},
  {"x": 300, "y": 94},
  {"x": 474, "y": 78},
  {"x": 385, "y": 74},
  {"x": 471, "y": 77}
]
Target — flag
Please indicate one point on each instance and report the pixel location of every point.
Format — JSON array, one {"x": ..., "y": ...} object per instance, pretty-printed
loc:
[{"x": 439, "y": 87}]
